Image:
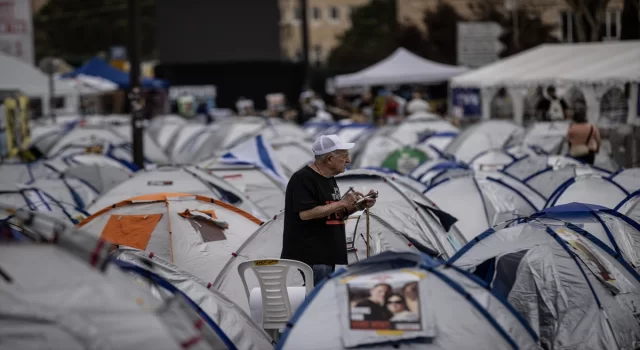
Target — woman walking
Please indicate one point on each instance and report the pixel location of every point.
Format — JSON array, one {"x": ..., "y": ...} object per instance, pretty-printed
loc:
[{"x": 583, "y": 137}]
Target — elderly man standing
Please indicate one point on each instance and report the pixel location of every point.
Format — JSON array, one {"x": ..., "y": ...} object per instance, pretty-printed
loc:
[{"x": 314, "y": 212}]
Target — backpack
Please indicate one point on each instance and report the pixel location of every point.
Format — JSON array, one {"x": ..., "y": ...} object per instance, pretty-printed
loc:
[{"x": 555, "y": 111}]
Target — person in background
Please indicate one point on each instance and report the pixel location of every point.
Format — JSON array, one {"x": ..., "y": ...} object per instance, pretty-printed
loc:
[
  {"x": 417, "y": 103},
  {"x": 391, "y": 110},
  {"x": 341, "y": 108},
  {"x": 315, "y": 212},
  {"x": 551, "y": 108},
  {"x": 365, "y": 106},
  {"x": 583, "y": 137}
]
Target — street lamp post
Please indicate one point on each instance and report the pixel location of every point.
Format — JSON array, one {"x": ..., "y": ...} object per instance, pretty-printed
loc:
[
  {"x": 304, "y": 22},
  {"x": 135, "y": 95}
]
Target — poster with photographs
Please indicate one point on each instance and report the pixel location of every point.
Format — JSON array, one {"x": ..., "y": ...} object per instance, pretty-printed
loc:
[
  {"x": 385, "y": 306},
  {"x": 596, "y": 264}
]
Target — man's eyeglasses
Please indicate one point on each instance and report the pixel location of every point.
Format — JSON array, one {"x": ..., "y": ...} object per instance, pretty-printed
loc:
[{"x": 395, "y": 302}]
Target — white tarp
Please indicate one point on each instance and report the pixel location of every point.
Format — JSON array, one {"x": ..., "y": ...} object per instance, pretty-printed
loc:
[
  {"x": 553, "y": 63},
  {"x": 401, "y": 67}
]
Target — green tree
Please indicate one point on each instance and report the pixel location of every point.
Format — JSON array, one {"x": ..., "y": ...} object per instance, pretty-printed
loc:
[
  {"x": 530, "y": 31},
  {"x": 441, "y": 28},
  {"x": 78, "y": 29},
  {"x": 372, "y": 36},
  {"x": 589, "y": 16}
]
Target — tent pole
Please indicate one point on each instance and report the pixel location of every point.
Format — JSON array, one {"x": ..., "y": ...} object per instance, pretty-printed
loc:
[{"x": 368, "y": 233}]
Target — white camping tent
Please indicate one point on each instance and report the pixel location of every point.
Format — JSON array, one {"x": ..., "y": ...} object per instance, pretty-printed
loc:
[
  {"x": 481, "y": 200},
  {"x": 65, "y": 189},
  {"x": 406, "y": 210},
  {"x": 629, "y": 179},
  {"x": 191, "y": 179},
  {"x": 591, "y": 189},
  {"x": 483, "y": 136},
  {"x": 12, "y": 173},
  {"x": 401, "y": 67},
  {"x": 100, "y": 172},
  {"x": 196, "y": 233},
  {"x": 34, "y": 199},
  {"x": 574, "y": 291},
  {"x": 236, "y": 324},
  {"x": 594, "y": 68},
  {"x": 548, "y": 136},
  {"x": 107, "y": 308},
  {"x": 630, "y": 206},
  {"x": 258, "y": 186},
  {"x": 443, "y": 309}
]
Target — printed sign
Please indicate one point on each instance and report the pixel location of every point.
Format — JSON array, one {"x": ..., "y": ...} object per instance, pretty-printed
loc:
[
  {"x": 16, "y": 29},
  {"x": 596, "y": 264},
  {"x": 384, "y": 307},
  {"x": 468, "y": 100},
  {"x": 159, "y": 183},
  {"x": 404, "y": 160}
]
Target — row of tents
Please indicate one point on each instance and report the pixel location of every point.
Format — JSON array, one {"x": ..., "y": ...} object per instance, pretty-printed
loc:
[{"x": 490, "y": 222}]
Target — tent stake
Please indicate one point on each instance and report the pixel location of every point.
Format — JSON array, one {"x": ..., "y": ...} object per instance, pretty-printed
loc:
[{"x": 368, "y": 233}]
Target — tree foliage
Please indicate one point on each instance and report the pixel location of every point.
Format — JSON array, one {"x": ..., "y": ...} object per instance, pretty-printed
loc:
[
  {"x": 441, "y": 28},
  {"x": 83, "y": 28},
  {"x": 589, "y": 16},
  {"x": 372, "y": 36}
]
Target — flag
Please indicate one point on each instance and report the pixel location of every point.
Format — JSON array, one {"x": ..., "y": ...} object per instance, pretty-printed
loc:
[{"x": 257, "y": 152}]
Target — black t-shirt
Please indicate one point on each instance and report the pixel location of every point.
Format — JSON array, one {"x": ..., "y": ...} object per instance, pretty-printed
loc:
[
  {"x": 317, "y": 241},
  {"x": 377, "y": 312},
  {"x": 543, "y": 107}
]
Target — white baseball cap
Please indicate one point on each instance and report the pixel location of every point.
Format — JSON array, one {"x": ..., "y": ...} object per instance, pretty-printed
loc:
[{"x": 329, "y": 143}]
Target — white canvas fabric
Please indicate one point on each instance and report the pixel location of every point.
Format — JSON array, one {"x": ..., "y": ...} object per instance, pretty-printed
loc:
[
  {"x": 181, "y": 240},
  {"x": 399, "y": 204},
  {"x": 36, "y": 200},
  {"x": 630, "y": 206},
  {"x": 68, "y": 190},
  {"x": 458, "y": 322},
  {"x": 152, "y": 150},
  {"x": 485, "y": 135},
  {"x": 549, "y": 136},
  {"x": 14, "y": 173},
  {"x": 237, "y": 325},
  {"x": 590, "y": 189},
  {"x": 401, "y": 67},
  {"x": 553, "y": 286},
  {"x": 291, "y": 155},
  {"x": 482, "y": 200},
  {"x": 85, "y": 137},
  {"x": 256, "y": 184},
  {"x": 169, "y": 180},
  {"x": 629, "y": 179}
]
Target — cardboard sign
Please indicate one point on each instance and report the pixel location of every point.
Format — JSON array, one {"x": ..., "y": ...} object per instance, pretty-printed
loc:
[{"x": 385, "y": 306}]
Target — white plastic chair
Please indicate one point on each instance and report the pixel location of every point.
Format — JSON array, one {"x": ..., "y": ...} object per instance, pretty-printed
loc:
[{"x": 273, "y": 304}]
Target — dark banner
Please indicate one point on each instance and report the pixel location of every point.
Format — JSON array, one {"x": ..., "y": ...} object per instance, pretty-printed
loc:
[{"x": 469, "y": 100}]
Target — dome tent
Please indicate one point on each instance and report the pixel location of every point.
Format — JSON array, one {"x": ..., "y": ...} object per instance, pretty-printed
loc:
[
  {"x": 454, "y": 310},
  {"x": 194, "y": 232},
  {"x": 591, "y": 189},
  {"x": 434, "y": 171},
  {"x": 482, "y": 136},
  {"x": 481, "y": 200},
  {"x": 190, "y": 179},
  {"x": 107, "y": 309},
  {"x": 34, "y": 199},
  {"x": 236, "y": 324},
  {"x": 630, "y": 206},
  {"x": 629, "y": 179},
  {"x": 66, "y": 189},
  {"x": 399, "y": 203},
  {"x": 258, "y": 185},
  {"x": 97, "y": 171},
  {"x": 573, "y": 289}
]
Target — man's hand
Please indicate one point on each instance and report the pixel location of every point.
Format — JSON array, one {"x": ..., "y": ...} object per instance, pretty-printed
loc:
[
  {"x": 369, "y": 202},
  {"x": 350, "y": 200}
]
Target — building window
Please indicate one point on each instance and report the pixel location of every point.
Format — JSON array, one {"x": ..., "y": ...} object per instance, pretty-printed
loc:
[
  {"x": 297, "y": 13},
  {"x": 612, "y": 25},
  {"x": 334, "y": 13},
  {"x": 317, "y": 54},
  {"x": 316, "y": 14}
]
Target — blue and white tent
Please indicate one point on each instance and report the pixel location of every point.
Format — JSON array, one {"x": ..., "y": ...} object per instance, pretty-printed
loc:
[
  {"x": 629, "y": 179},
  {"x": 630, "y": 206},
  {"x": 33, "y": 199},
  {"x": 442, "y": 308},
  {"x": 435, "y": 170},
  {"x": 591, "y": 189},
  {"x": 258, "y": 152},
  {"x": 482, "y": 200},
  {"x": 483, "y": 136},
  {"x": 573, "y": 289},
  {"x": 66, "y": 189}
]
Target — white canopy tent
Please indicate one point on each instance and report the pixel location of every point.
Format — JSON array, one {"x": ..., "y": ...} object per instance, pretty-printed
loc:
[
  {"x": 28, "y": 79},
  {"x": 401, "y": 67},
  {"x": 594, "y": 68}
]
